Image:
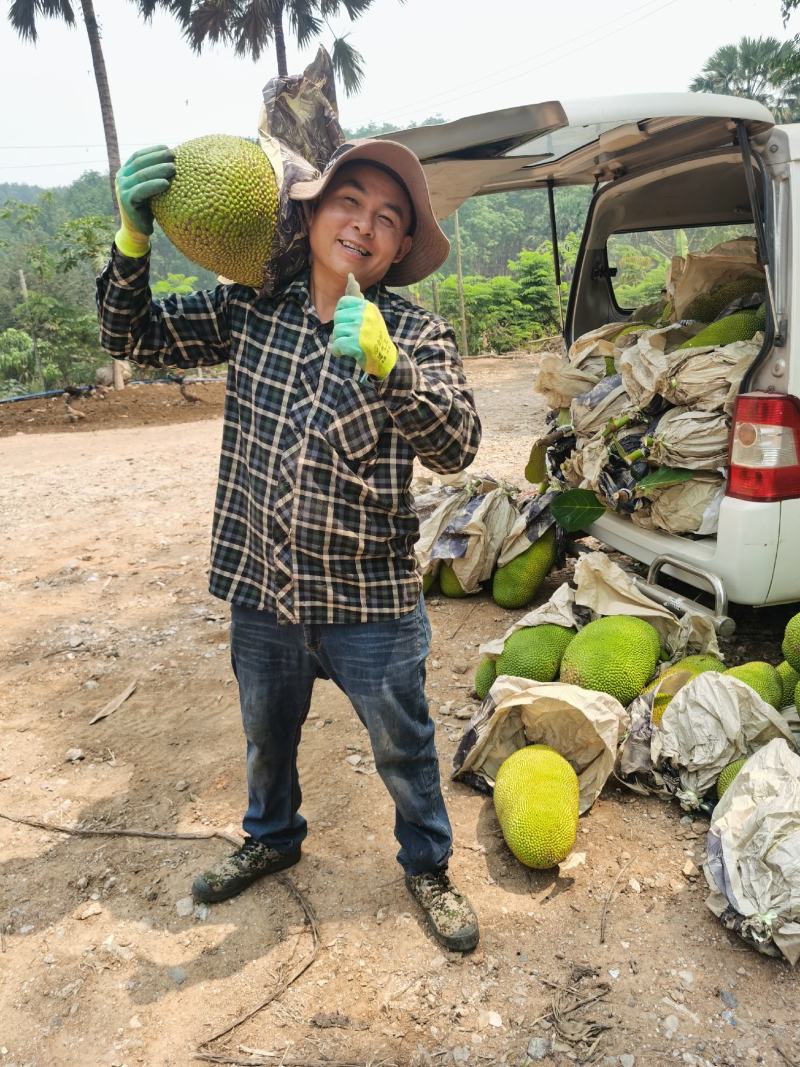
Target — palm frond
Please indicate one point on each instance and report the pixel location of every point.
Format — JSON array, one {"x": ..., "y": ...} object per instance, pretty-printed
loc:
[
  {"x": 211, "y": 20},
  {"x": 348, "y": 64},
  {"x": 304, "y": 23},
  {"x": 354, "y": 8},
  {"x": 181, "y": 9},
  {"x": 23, "y": 13},
  {"x": 254, "y": 27}
]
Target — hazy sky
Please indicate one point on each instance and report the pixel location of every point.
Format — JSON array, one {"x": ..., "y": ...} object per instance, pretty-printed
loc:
[{"x": 429, "y": 56}]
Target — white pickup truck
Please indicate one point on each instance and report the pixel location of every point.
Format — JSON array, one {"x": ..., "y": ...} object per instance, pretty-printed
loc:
[{"x": 663, "y": 162}]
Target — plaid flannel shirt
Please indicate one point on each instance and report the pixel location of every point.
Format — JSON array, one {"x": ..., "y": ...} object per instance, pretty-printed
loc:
[{"x": 313, "y": 518}]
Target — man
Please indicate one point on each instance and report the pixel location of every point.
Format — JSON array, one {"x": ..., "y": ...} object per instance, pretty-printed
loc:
[{"x": 329, "y": 399}]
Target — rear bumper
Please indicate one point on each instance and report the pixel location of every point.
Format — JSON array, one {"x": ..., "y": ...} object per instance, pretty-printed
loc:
[{"x": 743, "y": 555}]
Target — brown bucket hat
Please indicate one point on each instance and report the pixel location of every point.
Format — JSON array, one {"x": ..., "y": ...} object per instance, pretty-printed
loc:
[{"x": 430, "y": 247}]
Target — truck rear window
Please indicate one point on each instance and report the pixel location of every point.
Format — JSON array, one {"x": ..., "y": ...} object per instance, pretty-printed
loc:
[{"x": 641, "y": 259}]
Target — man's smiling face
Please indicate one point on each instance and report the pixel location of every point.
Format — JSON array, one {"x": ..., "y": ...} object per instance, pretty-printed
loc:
[{"x": 360, "y": 225}]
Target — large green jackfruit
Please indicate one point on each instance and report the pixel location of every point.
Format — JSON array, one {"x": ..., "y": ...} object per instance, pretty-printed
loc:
[
  {"x": 536, "y": 797},
  {"x": 221, "y": 207},
  {"x": 535, "y": 652},
  {"x": 727, "y": 774},
  {"x": 740, "y": 326},
  {"x": 517, "y": 583},
  {"x": 695, "y": 665},
  {"x": 485, "y": 674},
  {"x": 449, "y": 583},
  {"x": 789, "y": 679},
  {"x": 791, "y": 642},
  {"x": 616, "y": 654},
  {"x": 763, "y": 678},
  {"x": 706, "y": 306}
]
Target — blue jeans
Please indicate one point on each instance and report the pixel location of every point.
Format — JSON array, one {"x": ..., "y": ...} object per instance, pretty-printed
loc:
[{"x": 380, "y": 667}]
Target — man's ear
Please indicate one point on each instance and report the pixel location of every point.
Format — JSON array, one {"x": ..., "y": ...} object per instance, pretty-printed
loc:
[{"x": 404, "y": 249}]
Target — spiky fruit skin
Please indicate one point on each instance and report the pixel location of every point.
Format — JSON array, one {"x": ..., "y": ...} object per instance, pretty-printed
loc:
[
  {"x": 616, "y": 655},
  {"x": 427, "y": 581},
  {"x": 797, "y": 697},
  {"x": 789, "y": 679},
  {"x": 518, "y": 582},
  {"x": 536, "y": 799},
  {"x": 707, "y": 306},
  {"x": 698, "y": 664},
  {"x": 740, "y": 326},
  {"x": 485, "y": 675},
  {"x": 535, "y": 652},
  {"x": 763, "y": 678},
  {"x": 448, "y": 583},
  {"x": 791, "y": 642},
  {"x": 727, "y": 774},
  {"x": 221, "y": 207}
]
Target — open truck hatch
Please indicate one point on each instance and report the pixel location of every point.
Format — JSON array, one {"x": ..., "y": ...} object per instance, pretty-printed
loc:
[{"x": 580, "y": 142}]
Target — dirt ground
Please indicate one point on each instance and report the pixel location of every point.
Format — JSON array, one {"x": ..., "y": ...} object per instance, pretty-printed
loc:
[{"x": 103, "y": 961}]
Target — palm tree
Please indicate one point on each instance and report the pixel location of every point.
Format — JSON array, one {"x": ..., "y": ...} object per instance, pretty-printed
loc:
[
  {"x": 761, "y": 68},
  {"x": 250, "y": 24}
]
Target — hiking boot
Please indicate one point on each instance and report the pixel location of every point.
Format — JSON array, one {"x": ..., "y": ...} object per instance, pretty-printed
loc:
[
  {"x": 448, "y": 912},
  {"x": 237, "y": 871}
]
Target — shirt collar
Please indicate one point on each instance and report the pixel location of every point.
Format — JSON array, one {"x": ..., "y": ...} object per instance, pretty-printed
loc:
[{"x": 298, "y": 290}]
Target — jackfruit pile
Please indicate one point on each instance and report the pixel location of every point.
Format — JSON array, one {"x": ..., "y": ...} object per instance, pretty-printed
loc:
[
  {"x": 762, "y": 677},
  {"x": 616, "y": 654},
  {"x": 535, "y": 652},
  {"x": 221, "y": 207},
  {"x": 517, "y": 583},
  {"x": 536, "y": 799},
  {"x": 694, "y": 665},
  {"x": 727, "y": 775},
  {"x": 622, "y": 384}
]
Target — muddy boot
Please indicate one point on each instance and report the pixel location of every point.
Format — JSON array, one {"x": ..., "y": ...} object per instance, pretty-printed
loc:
[
  {"x": 448, "y": 912},
  {"x": 239, "y": 870}
]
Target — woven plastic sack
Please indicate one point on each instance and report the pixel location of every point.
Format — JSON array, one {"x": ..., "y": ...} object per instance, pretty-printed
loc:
[
  {"x": 753, "y": 853},
  {"x": 685, "y": 437}
]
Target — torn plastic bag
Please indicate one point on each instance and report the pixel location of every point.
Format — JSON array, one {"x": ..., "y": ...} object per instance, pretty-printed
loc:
[
  {"x": 472, "y": 539},
  {"x": 753, "y": 853},
  {"x": 702, "y": 272},
  {"x": 711, "y": 721},
  {"x": 684, "y": 437},
  {"x": 558, "y": 381},
  {"x": 644, "y": 364},
  {"x": 532, "y": 520},
  {"x": 691, "y": 507},
  {"x": 298, "y": 130},
  {"x": 707, "y": 378},
  {"x": 634, "y": 766},
  {"x": 590, "y": 411},
  {"x": 604, "y": 588},
  {"x": 435, "y": 507},
  {"x": 582, "y": 725}
]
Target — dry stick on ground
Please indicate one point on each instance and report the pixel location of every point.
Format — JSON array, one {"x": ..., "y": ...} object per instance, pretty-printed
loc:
[
  {"x": 607, "y": 901},
  {"x": 202, "y": 1052},
  {"x": 212, "y": 1057},
  {"x": 200, "y": 835},
  {"x": 453, "y": 634}
]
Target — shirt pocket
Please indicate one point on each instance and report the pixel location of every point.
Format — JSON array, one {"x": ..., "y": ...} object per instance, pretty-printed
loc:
[{"x": 357, "y": 424}]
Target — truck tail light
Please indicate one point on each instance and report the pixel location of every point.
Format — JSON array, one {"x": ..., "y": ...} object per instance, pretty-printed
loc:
[{"x": 764, "y": 461}]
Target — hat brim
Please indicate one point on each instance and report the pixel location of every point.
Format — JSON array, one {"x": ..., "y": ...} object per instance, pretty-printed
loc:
[{"x": 429, "y": 245}]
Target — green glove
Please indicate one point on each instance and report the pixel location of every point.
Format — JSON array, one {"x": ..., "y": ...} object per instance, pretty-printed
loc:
[
  {"x": 147, "y": 173},
  {"x": 360, "y": 332}
]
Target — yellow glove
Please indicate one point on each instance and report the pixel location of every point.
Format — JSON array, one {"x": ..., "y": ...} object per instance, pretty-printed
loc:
[
  {"x": 360, "y": 332},
  {"x": 147, "y": 173}
]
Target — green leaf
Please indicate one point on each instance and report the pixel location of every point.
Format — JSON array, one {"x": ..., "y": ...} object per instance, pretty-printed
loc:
[
  {"x": 663, "y": 477},
  {"x": 576, "y": 509},
  {"x": 535, "y": 470}
]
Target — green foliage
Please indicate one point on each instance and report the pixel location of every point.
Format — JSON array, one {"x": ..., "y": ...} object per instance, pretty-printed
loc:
[
  {"x": 179, "y": 284},
  {"x": 16, "y": 355},
  {"x": 760, "y": 68}
]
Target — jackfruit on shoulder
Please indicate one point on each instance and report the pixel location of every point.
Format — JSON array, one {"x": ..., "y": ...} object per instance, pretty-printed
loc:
[
  {"x": 536, "y": 797},
  {"x": 535, "y": 652},
  {"x": 485, "y": 674},
  {"x": 789, "y": 679},
  {"x": 448, "y": 583},
  {"x": 763, "y": 678},
  {"x": 791, "y": 642},
  {"x": 697, "y": 664},
  {"x": 727, "y": 774},
  {"x": 221, "y": 207},
  {"x": 517, "y": 583},
  {"x": 740, "y": 326},
  {"x": 616, "y": 654},
  {"x": 706, "y": 306}
]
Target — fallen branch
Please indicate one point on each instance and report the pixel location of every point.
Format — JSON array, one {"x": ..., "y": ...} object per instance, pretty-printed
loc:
[
  {"x": 281, "y": 987},
  {"x": 77, "y": 831},
  {"x": 607, "y": 901}
]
